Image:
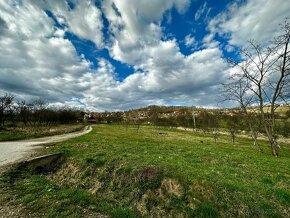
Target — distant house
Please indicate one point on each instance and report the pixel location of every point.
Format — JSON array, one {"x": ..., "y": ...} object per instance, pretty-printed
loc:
[{"x": 90, "y": 118}]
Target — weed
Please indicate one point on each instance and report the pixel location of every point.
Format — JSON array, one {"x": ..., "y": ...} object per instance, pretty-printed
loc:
[{"x": 149, "y": 178}]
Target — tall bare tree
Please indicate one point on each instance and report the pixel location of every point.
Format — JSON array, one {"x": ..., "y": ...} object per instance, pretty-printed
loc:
[{"x": 260, "y": 82}]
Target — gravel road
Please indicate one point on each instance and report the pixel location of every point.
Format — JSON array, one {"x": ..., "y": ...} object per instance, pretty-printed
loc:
[{"x": 13, "y": 151}]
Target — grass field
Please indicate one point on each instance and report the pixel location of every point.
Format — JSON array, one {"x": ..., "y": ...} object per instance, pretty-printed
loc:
[
  {"x": 10, "y": 134},
  {"x": 116, "y": 171}
]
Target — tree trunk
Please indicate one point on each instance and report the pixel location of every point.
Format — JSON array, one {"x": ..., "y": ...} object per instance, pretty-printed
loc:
[
  {"x": 255, "y": 142},
  {"x": 275, "y": 146},
  {"x": 233, "y": 134},
  {"x": 254, "y": 136},
  {"x": 273, "y": 142}
]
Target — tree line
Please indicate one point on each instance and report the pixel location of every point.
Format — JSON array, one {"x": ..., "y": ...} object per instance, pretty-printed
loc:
[
  {"x": 206, "y": 120},
  {"x": 37, "y": 112}
]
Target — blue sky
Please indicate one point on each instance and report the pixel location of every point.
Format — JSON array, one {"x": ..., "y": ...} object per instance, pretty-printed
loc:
[{"x": 117, "y": 55}]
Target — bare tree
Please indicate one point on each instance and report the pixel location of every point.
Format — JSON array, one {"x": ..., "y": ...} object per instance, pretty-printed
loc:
[
  {"x": 5, "y": 106},
  {"x": 232, "y": 122},
  {"x": 237, "y": 90},
  {"x": 24, "y": 111},
  {"x": 261, "y": 81},
  {"x": 38, "y": 108}
]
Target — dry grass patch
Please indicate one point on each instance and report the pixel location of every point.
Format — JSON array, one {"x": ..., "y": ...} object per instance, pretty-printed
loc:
[
  {"x": 171, "y": 186},
  {"x": 70, "y": 174}
]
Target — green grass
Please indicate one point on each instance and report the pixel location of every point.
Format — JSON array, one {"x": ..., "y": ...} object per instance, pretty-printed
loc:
[
  {"x": 119, "y": 172},
  {"x": 11, "y": 134}
]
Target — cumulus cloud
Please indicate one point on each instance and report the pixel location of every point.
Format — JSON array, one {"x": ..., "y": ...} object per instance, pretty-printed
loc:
[
  {"x": 37, "y": 60},
  {"x": 253, "y": 19},
  {"x": 84, "y": 20},
  {"x": 165, "y": 72},
  {"x": 137, "y": 25}
]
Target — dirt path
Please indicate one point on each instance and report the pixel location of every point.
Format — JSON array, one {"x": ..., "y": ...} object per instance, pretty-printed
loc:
[{"x": 13, "y": 151}]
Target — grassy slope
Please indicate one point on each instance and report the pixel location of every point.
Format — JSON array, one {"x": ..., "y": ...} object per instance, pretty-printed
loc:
[
  {"x": 37, "y": 131},
  {"x": 121, "y": 173}
]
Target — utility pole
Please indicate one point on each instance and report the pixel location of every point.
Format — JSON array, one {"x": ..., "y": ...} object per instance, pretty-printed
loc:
[{"x": 193, "y": 116}]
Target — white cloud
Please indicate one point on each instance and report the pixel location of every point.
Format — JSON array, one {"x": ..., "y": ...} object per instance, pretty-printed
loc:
[
  {"x": 85, "y": 20},
  {"x": 22, "y": 22},
  {"x": 136, "y": 26},
  {"x": 229, "y": 48},
  {"x": 203, "y": 10},
  {"x": 209, "y": 41},
  {"x": 189, "y": 41},
  {"x": 178, "y": 76},
  {"x": 254, "y": 19},
  {"x": 36, "y": 60}
]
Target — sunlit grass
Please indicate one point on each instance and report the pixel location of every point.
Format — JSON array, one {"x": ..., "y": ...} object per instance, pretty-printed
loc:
[{"x": 126, "y": 172}]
